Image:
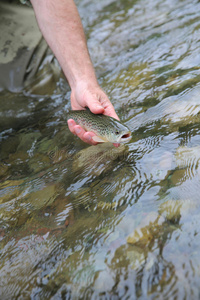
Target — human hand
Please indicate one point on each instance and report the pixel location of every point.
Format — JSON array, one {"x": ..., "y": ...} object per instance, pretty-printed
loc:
[
  {"x": 93, "y": 97},
  {"x": 68, "y": 43}
]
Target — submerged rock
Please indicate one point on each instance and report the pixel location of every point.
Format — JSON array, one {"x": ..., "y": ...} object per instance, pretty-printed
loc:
[
  {"x": 45, "y": 196},
  {"x": 3, "y": 169},
  {"x": 147, "y": 229},
  {"x": 186, "y": 157},
  {"x": 38, "y": 162},
  {"x": 95, "y": 159},
  {"x": 135, "y": 256},
  {"x": 10, "y": 189},
  {"x": 173, "y": 210}
]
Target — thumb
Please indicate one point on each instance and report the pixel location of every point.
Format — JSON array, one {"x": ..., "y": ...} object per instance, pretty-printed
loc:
[{"x": 95, "y": 106}]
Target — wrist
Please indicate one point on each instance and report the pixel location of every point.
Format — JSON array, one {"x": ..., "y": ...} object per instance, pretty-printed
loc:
[
  {"x": 81, "y": 75},
  {"x": 85, "y": 84}
]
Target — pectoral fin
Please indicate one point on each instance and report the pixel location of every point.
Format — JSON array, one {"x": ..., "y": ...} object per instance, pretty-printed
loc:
[{"x": 98, "y": 139}]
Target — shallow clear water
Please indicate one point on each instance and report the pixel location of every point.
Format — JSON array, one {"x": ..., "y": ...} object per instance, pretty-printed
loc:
[{"x": 81, "y": 222}]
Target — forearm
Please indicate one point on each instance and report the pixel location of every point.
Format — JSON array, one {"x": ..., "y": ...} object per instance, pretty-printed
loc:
[{"x": 61, "y": 27}]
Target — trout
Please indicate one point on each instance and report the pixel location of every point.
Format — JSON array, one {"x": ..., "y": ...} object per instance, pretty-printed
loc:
[{"x": 107, "y": 129}]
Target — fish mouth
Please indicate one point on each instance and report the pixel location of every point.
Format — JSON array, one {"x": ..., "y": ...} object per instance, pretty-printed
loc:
[{"x": 126, "y": 137}]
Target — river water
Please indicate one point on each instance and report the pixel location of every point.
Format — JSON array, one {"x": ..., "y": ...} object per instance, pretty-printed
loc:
[{"x": 82, "y": 222}]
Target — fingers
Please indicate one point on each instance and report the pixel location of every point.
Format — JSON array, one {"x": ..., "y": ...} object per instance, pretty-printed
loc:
[
  {"x": 95, "y": 107},
  {"x": 102, "y": 105},
  {"x": 81, "y": 133},
  {"x": 93, "y": 97},
  {"x": 109, "y": 110},
  {"x": 71, "y": 124},
  {"x": 111, "y": 113}
]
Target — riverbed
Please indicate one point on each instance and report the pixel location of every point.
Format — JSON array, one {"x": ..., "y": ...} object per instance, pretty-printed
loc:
[{"x": 99, "y": 222}]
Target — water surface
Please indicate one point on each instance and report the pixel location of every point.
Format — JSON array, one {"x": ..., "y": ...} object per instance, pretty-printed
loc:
[{"x": 82, "y": 222}]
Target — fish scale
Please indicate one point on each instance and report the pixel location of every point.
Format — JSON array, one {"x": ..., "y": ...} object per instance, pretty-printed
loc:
[{"x": 107, "y": 129}]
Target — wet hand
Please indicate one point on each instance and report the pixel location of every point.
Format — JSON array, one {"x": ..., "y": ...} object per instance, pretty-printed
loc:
[
  {"x": 81, "y": 133},
  {"x": 93, "y": 97}
]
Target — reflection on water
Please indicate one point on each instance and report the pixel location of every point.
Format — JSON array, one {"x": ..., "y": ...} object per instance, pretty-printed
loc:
[{"x": 81, "y": 222}]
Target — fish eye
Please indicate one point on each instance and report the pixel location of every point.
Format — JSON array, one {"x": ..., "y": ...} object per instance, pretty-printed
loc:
[{"x": 116, "y": 132}]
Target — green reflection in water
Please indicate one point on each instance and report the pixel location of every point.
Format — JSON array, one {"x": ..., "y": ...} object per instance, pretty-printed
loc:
[{"x": 100, "y": 222}]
